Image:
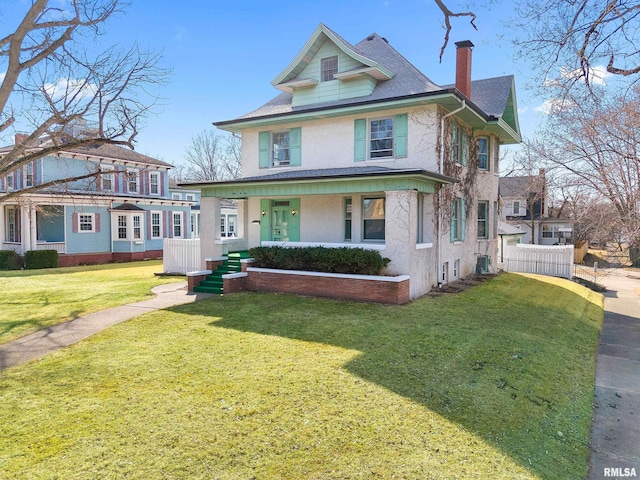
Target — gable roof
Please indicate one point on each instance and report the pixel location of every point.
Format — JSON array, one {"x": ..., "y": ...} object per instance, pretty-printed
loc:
[
  {"x": 317, "y": 39},
  {"x": 522, "y": 186},
  {"x": 493, "y": 99}
]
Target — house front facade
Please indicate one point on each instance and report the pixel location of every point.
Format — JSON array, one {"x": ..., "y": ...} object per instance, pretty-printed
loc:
[
  {"x": 122, "y": 214},
  {"x": 362, "y": 150}
]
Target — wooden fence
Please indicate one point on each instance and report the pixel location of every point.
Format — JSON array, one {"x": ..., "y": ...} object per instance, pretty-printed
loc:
[
  {"x": 181, "y": 255},
  {"x": 556, "y": 261}
]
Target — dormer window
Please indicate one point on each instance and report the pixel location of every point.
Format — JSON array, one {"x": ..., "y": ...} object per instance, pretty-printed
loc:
[{"x": 329, "y": 67}]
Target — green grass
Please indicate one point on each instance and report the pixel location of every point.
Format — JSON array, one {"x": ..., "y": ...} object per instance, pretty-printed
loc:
[
  {"x": 35, "y": 299},
  {"x": 496, "y": 382}
]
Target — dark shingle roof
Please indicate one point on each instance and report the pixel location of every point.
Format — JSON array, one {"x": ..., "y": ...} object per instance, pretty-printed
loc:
[
  {"x": 521, "y": 186},
  {"x": 115, "y": 152},
  {"x": 490, "y": 95}
]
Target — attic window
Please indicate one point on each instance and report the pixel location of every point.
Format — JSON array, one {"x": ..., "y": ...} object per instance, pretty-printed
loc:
[{"x": 329, "y": 67}]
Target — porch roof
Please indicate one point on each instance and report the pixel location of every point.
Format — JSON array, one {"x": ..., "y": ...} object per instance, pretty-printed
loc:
[{"x": 325, "y": 182}]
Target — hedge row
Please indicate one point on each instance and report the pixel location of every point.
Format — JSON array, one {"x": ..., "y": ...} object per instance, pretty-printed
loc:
[
  {"x": 320, "y": 259},
  {"x": 9, "y": 260},
  {"x": 41, "y": 259}
]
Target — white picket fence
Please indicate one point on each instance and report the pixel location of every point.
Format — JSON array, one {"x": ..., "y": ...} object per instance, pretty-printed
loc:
[
  {"x": 556, "y": 261},
  {"x": 181, "y": 255}
]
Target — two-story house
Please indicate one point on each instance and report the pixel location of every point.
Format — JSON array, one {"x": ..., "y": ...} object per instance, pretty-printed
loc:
[
  {"x": 122, "y": 214},
  {"x": 362, "y": 149},
  {"x": 526, "y": 207}
]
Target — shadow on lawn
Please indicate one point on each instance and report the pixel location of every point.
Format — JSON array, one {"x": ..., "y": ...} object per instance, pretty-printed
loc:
[{"x": 494, "y": 359}]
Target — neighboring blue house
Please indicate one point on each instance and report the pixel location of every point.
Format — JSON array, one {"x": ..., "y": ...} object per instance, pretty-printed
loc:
[{"x": 121, "y": 215}]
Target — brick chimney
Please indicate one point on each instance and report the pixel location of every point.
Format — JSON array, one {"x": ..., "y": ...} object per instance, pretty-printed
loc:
[
  {"x": 463, "y": 67},
  {"x": 20, "y": 138}
]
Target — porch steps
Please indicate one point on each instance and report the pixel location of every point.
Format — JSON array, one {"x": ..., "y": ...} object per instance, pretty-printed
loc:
[{"x": 213, "y": 282}]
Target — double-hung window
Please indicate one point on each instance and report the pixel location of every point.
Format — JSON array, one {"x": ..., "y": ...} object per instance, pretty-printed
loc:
[
  {"x": 154, "y": 183},
  {"x": 380, "y": 138},
  {"x": 483, "y": 153},
  {"x": 483, "y": 220},
  {"x": 10, "y": 182},
  {"x": 122, "y": 227},
  {"x": 12, "y": 224},
  {"x": 348, "y": 211},
  {"x": 458, "y": 149},
  {"x": 137, "y": 227},
  {"x": 107, "y": 178},
  {"x": 516, "y": 207},
  {"x": 280, "y": 148},
  {"x": 86, "y": 222},
  {"x": 329, "y": 67},
  {"x": 156, "y": 224},
  {"x": 373, "y": 218},
  {"x": 177, "y": 224},
  {"x": 457, "y": 220},
  {"x": 132, "y": 181},
  {"x": 28, "y": 175}
]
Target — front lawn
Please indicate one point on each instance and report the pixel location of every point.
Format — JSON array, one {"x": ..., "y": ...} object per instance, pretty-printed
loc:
[
  {"x": 495, "y": 382},
  {"x": 35, "y": 299}
]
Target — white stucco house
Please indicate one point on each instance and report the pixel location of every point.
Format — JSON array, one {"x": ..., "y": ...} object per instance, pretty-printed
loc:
[{"x": 360, "y": 148}]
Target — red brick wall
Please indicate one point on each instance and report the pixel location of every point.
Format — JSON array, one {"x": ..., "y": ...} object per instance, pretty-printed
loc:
[
  {"x": 332, "y": 287},
  {"x": 71, "y": 260},
  {"x": 234, "y": 284}
]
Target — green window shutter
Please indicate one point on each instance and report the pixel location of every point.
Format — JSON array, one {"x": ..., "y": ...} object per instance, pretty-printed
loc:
[
  {"x": 294, "y": 225},
  {"x": 453, "y": 223},
  {"x": 265, "y": 221},
  {"x": 400, "y": 135},
  {"x": 360, "y": 140},
  {"x": 263, "y": 146},
  {"x": 453, "y": 142},
  {"x": 295, "y": 150},
  {"x": 463, "y": 154},
  {"x": 463, "y": 219}
]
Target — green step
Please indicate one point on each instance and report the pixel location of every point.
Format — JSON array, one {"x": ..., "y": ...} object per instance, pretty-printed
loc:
[{"x": 217, "y": 291}]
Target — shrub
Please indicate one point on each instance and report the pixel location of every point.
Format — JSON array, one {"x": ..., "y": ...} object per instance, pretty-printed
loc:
[
  {"x": 41, "y": 259},
  {"x": 320, "y": 259},
  {"x": 9, "y": 260}
]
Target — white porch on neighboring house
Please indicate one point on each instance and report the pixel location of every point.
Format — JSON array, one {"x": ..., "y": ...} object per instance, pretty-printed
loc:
[{"x": 29, "y": 227}]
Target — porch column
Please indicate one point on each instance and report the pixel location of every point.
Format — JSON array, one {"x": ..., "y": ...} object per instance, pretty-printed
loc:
[
  {"x": 210, "y": 238},
  {"x": 3, "y": 226},
  {"x": 243, "y": 224},
  {"x": 25, "y": 228},
  {"x": 33, "y": 231},
  {"x": 400, "y": 229}
]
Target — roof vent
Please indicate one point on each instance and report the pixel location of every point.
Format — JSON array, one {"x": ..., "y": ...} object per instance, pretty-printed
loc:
[
  {"x": 370, "y": 37},
  {"x": 385, "y": 40}
]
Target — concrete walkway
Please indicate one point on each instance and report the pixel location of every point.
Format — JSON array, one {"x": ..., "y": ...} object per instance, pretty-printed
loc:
[
  {"x": 45, "y": 341},
  {"x": 615, "y": 434}
]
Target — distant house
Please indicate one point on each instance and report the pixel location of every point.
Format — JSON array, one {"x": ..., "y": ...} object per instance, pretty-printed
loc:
[
  {"x": 121, "y": 215},
  {"x": 361, "y": 149},
  {"x": 526, "y": 207}
]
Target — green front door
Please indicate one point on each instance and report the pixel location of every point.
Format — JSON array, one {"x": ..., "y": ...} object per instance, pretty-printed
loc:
[{"x": 280, "y": 220}]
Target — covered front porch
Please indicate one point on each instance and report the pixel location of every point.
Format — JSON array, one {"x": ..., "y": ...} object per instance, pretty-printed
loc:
[{"x": 378, "y": 208}]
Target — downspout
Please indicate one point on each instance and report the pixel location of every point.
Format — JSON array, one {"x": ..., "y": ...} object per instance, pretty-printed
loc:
[{"x": 463, "y": 104}]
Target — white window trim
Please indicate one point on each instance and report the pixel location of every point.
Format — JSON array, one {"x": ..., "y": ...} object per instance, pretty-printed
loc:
[
  {"x": 160, "y": 216},
  {"x": 107, "y": 176},
  {"x": 93, "y": 222},
  {"x": 393, "y": 140},
  {"x": 272, "y": 155},
  {"x": 174, "y": 224},
  {"x": 11, "y": 185},
  {"x": 176, "y": 196},
  {"x": 137, "y": 174},
  {"x": 488, "y": 154},
  {"x": 28, "y": 175},
  {"x": 155, "y": 175},
  {"x": 485, "y": 220},
  {"x": 190, "y": 197},
  {"x": 364, "y": 219},
  {"x": 322, "y": 60}
]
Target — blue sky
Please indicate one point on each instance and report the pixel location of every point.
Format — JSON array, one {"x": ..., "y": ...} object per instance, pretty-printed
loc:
[{"x": 225, "y": 54}]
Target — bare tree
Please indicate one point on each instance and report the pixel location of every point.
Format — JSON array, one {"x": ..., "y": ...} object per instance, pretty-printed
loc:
[
  {"x": 52, "y": 84},
  {"x": 568, "y": 41},
  {"x": 212, "y": 156},
  {"x": 594, "y": 141}
]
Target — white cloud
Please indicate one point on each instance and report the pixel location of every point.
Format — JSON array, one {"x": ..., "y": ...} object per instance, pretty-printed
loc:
[
  {"x": 523, "y": 110},
  {"x": 67, "y": 87},
  {"x": 597, "y": 75},
  {"x": 553, "y": 105}
]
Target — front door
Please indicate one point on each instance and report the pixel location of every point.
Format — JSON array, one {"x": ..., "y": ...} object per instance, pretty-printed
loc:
[{"x": 280, "y": 221}]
